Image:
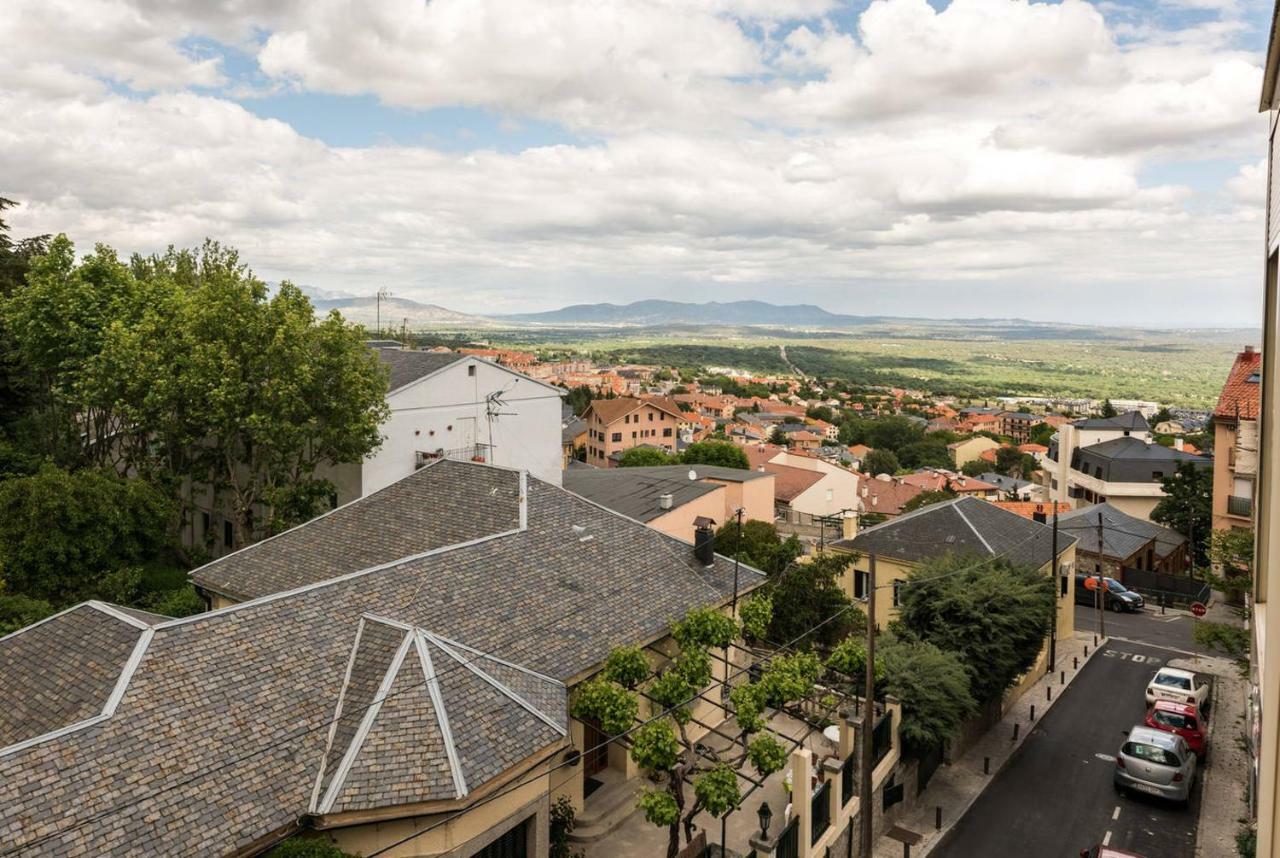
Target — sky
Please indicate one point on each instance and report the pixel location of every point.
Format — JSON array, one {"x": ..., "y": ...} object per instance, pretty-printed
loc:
[{"x": 1099, "y": 163}]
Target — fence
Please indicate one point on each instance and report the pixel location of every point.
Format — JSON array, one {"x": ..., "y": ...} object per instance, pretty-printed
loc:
[
  {"x": 789, "y": 841},
  {"x": 820, "y": 812},
  {"x": 848, "y": 781},
  {"x": 882, "y": 739},
  {"x": 1176, "y": 589}
]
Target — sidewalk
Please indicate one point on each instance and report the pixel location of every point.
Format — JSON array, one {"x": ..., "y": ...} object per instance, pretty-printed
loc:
[{"x": 955, "y": 787}]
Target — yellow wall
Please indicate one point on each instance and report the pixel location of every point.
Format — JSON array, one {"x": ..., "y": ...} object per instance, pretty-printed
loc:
[
  {"x": 755, "y": 496},
  {"x": 967, "y": 451}
]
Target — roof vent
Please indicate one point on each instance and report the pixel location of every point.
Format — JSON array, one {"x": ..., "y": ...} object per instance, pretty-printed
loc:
[
  {"x": 665, "y": 500},
  {"x": 580, "y": 531},
  {"x": 693, "y": 475}
]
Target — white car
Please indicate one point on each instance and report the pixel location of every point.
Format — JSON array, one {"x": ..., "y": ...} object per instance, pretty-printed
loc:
[{"x": 1180, "y": 686}]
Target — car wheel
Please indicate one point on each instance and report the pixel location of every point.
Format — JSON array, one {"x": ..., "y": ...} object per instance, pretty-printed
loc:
[{"x": 1117, "y": 607}]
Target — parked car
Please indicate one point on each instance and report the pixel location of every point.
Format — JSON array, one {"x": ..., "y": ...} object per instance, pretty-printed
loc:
[
  {"x": 1156, "y": 763},
  {"x": 1183, "y": 719},
  {"x": 1118, "y": 597},
  {"x": 1180, "y": 686}
]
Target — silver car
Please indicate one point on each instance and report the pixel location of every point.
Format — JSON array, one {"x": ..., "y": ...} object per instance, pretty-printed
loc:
[{"x": 1156, "y": 763}]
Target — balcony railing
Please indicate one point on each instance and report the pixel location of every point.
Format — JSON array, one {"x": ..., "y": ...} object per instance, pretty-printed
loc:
[
  {"x": 1240, "y": 506},
  {"x": 469, "y": 453},
  {"x": 820, "y": 807}
]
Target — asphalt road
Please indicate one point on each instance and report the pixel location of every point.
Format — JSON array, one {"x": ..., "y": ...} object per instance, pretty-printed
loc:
[
  {"x": 1148, "y": 626},
  {"x": 1055, "y": 797}
]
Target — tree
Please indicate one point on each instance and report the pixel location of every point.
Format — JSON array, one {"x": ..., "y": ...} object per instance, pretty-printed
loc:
[
  {"x": 933, "y": 688},
  {"x": 725, "y": 454},
  {"x": 808, "y": 593},
  {"x": 881, "y": 462},
  {"x": 62, "y": 533},
  {"x": 925, "y": 454},
  {"x": 644, "y": 457},
  {"x": 820, "y": 412},
  {"x": 926, "y": 498},
  {"x": 307, "y": 847},
  {"x": 992, "y": 614},
  {"x": 1012, "y": 462},
  {"x": 664, "y": 748},
  {"x": 1109, "y": 410},
  {"x": 894, "y": 433},
  {"x": 1042, "y": 433},
  {"x": 778, "y": 438},
  {"x": 975, "y": 467},
  {"x": 1161, "y": 416},
  {"x": 1231, "y": 551},
  {"x": 578, "y": 398},
  {"x": 1187, "y": 507},
  {"x": 761, "y": 545}
]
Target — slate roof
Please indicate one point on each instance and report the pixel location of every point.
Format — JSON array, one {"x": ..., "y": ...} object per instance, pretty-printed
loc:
[
  {"x": 636, "y": 495},
  {"x": 965, "y": 525},
  {"x": 1005, "y": 483},
  {"x": 407, "y": 366},
  {"x": 1132, "y": 460},
  {"x": 222, "y": 725},
  {"x": 718, "y": 473},
  {"x": 1133, "y": 421},
  {"x": 1242, "y": 394},
  {"x": 1122, "y": 534},
  {"x": 571, "y": 428}
]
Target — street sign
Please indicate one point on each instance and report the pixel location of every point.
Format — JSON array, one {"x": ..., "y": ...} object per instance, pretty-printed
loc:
[{"x": 1198, "y": 609}]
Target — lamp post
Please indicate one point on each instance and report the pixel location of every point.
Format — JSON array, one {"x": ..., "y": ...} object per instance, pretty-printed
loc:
[{"x": 766, "y": 816}]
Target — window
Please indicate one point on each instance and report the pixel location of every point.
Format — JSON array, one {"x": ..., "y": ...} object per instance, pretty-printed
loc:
[
  {"x": 1063, "y": 591},
  {"x": 666, "y": 433},
  {"x": 617, "y": 437},
  {"x": 897, "y": 593},
  {"x": 859, "y": 585},
  {"x": 1097, "y": 471},
  {"x": 633, "y": 436},
  {"x": 626, "y": 419},
  {"x": 471, "y": 370},
  {"x": 650, "y": 416},
  {"x": 513, "y": 844},
  {"x": 1151, "y": 754},
  {"x": 228, "y": 534},
  {"x": 1157, "y": 475}
]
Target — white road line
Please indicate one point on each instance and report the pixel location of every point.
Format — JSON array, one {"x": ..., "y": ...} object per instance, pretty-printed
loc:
[
  {"x": 1108, "y": 757},
  {"x": 1115, "y": 814},
  {"x": 1106, "y": 839},
  {"x": 1153, "y": 646}
]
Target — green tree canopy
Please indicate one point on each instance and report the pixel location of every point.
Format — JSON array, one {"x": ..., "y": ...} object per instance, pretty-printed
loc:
[
  {"x": 925, "y": 454},
  {"x": 726, "y": 454},
  {"x": 1109, "y": 410},
  {"x": 761, "y": 545},
  {"x": 993, "y": 614},
  {"x": 645, "y": 457},
  {"x": 1042, "y": 433},
  {"x": 933, "y": 688},
  {"x": 927, "y": 498},
  {"x": 1187, "y": 507},
  {"x": 808, "y": 594},
  {"x": 894, "y": 433},
  {"x": 881, "y": 462}
]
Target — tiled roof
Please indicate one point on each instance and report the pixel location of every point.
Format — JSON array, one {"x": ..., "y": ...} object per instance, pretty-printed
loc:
[
  {"x": 1133, "y": 421},
  {"x": 1122, "y": 534},
  {"x": 407, "y": 367},
  {"x": 961, "y": 526},
  {"x": 220, "y": 733},
  {"x": 789, "y": 483},
  {"x": 634, "y": 493},
  {"x": 615, "y": 409},
  {"x": 886, "y": 496},
  {"x": 1241, "y": 396},
  {"x": 1027, "y": 509}
]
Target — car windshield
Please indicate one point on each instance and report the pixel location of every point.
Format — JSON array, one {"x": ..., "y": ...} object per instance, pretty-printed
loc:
[
  {"x": 1115, "y": 586},
  {"x": 1174, "y": 681},
  {"x": 1151, "y": 754},
  {"x": 1175, "y": 720}
]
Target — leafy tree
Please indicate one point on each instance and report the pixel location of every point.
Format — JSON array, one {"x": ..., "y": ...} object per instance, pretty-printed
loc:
[
  {"x": 1042, "y": 433},
  {"x": 1109, "y": 410},
  {"x": 578, "y": 398},
  {"x": 894, "y": 433},
  {"x": 820, "y": 412},
  {"x": 932, "y": 686},
  {"x": 562, "y": 824},
  {"x": 926, "y": 498},
  {"x": 881, "y": 462},
  {"x": 761, "y": 546},
  {"x": 1012, "y": 462},
  {"x": 778, "y": 438},
  {"x": 1231, "y": 551},
  {"x": 307, "y": 847},
  {"x": 1187, "y": 507},
  {"x": 644, "y": 457},
  {"x": 725, "y": 454},
  {"x": 62, "y": 533},
  {"x": 808, "y": 593},
  {"x": 1227, "y": 638},
  {"x": 925, "y": 454},
  {"x": 975, "y": 467},
  {"x": 1161, "y": 416},
  {"x": 992, "y": 614},
  {"x": 18, "y": 611}
]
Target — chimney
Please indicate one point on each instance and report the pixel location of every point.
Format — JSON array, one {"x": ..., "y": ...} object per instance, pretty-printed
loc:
[
  {"x": 849, "y": 527},
  {"x": 865, "y": 491},
  {"x": 1039, "y": 515},
  {"x": 704, "y": 544},
  {"x": 1179, "y": 444},
  {"x": 665, "y": 500}
]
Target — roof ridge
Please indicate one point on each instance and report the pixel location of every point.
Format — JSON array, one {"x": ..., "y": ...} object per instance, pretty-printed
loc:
[
  {"x": 501, "y": 687},
  {"x": 337, "y": 715},
  {"x": 981, "y": 538},
  {"x": 442, "y": 716}
]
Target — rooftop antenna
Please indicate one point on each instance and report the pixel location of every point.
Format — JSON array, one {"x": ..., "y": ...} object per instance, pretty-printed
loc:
[
  {"x": 493, "y": 405},
  {"x": 383, "y": 294}
]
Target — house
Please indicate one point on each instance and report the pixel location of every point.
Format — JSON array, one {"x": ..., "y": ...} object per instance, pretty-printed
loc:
[
  {"x": 1125, "y": 542},
  {"x": 1235, "y": 433},
  {"x": 1024, "y": 490},
  {"x": 671, "y": 497},
  {"x": 616, "y": 425},
  {"x": 573, "y": 436},
  {"x": 859, "y": 452},
  {"x": 1017, "y": 425},
  {"x": 808, "y": 492},
  {"x": 1112, "y": 460},
  {"x": 966, "y": 451},
  {"x": 803, "y": 439},
  {"x": 884, "y": 495},
  {"x": 400, "y": 665},
  {"x": 965, "y": 527},
  {"x": 1035, "y": 451},
  {"x": 937, "y": 480}
]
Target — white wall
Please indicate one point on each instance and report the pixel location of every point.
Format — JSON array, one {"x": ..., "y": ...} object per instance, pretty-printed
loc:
[{"x": 448, "y": 411}]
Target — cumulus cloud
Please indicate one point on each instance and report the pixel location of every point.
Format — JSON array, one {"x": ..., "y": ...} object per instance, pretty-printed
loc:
[{"x": 732, "y": 146}]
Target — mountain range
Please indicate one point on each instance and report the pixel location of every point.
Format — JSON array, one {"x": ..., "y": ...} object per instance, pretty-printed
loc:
[{"x": 652, "y": 313}]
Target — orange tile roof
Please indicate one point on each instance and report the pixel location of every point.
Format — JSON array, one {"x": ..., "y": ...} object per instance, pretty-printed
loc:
[
  {"x": 1032, "y": 448},
  {"x": 789, "y": 483},
  {"x": 614, "y": 409},
  {"x": 886, "y": 496},
  {"x": 1240, "y": 397},
  {"x": 1027, "y": 509}
]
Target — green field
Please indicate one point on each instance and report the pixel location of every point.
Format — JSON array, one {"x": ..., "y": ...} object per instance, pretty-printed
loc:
[{"x": 1181, "y": 368}]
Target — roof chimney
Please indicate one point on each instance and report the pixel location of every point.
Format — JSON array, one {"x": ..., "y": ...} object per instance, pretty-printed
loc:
[
  {"x": 665, "y": 500},
  {"x": 704, "y": 544},
  {"x": 1039, "y": 515},
  {"x": 1179, "y": 443}
]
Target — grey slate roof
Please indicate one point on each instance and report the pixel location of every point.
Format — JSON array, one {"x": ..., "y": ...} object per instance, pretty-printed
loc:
[
  {"x": 407, "y": 367},
  {"x": 1133, "y": 421},
  {"x": 1132, "y": 460},
  {"x": 1004, "y": 483},
  {"x": 633, "y": 494},
  {"x": 1122, "y": 534},
  {"x": 220, "y": 734},
  {"x": 571, "y": 428},
  {"x": 967, "y": 525},
  {"x": 428, "y": 509}
]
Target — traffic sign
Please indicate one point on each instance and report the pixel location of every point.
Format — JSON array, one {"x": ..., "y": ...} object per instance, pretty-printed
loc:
[{"x": 1198, "y": 609}]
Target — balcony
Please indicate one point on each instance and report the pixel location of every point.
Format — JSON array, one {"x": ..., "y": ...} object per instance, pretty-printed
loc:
[
  {"x": 468, "y": 453},
  {"x": 1242, "y": 507}
]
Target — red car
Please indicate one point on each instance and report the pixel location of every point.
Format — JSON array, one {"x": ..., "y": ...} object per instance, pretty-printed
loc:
[{"x": 1180, "y": 718}]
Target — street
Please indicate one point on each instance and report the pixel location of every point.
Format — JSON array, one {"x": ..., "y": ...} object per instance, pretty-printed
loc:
[
  {"x": 1171, "y": 630},
  {"x": 1055, "y": 797}
]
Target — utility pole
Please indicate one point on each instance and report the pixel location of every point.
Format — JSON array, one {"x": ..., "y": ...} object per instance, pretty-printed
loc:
[
  {"x": 868, "y": 715},
  {"x": 1057, "y": 589},
  {"x": 1101, "y": 593},
  {"x": 382, "y": 295},
  {"x": 736, "y": 555}
]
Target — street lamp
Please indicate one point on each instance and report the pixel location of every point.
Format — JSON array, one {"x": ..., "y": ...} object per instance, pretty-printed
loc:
[{"x": 766, "y": 816}]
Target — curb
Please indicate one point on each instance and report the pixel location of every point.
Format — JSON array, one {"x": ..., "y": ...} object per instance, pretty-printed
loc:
[{"x": 947, "y": 831}]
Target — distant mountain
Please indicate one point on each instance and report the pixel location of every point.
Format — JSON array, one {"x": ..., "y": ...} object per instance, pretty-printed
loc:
[
  {"x": 653, "y": 312},
  {"x": 397, "y": 311}
]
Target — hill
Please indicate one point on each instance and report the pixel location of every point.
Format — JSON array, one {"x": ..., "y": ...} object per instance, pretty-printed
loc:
[{"x": 653, "y": 313}]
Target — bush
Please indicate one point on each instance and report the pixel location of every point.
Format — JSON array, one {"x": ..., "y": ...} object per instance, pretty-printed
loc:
[
  {"x": 18, "y": 611},
  {"x": 726, "y": 454},
  {"x": 562, "y": 824},
  {"x": 307, "y": 847}
]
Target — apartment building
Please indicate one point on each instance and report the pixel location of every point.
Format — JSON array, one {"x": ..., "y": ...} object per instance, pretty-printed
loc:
[
  {"x": 1017, "y": 425},
  {"x": 1235, "y": 434},
  {"x": 616, "y": 425}
]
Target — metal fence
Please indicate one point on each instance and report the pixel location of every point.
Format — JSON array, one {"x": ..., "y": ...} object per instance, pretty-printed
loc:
[
  {"x": 1175, "y": 589},
  {"x": 789, "y": 841},
  {"x": 847, "y": 780},
  {"x": 820, "y": 812},
  {"x": 882, "y": 739}
]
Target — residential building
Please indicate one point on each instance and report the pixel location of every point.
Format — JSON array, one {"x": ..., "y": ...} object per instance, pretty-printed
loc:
[
  {"x": 803, "y": 439},
  {"x": 1013, "y": 488},
  {"x": 937, "y": 480},
  {"x": 1125, "y": 542},
  {"x": 1113, "y": 460},
  {"x": 970, "y": 449},
  {"x": 1235, "y": 443},
  {"x": 807, "y": 490},
  {"x": 884, "y": 494},
  {"x": 1262, "y": 729},
  {"x": 573, "y": 436},
  {"x": 616, "y": 425},
  {"x": 963, "y": 527},
  {"x": 438, "y": 626},
  {"x": 672, "y": 498},
  {"x": 1017, "y": 425}
]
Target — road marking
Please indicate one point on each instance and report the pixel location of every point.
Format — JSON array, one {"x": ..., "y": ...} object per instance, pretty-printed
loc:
[
  {"x": 1116, "y": 813},
  {"x": 1171, "y": 620},
  {"x": 1106, "y": 839},
  {"x": 1136, "y": 658},
  {"x": 1153, "y": 646},
  {"x": 1108, "y": 757}
]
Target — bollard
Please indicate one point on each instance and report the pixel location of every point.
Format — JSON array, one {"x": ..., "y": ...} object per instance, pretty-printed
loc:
[
  {"x": 1086, "y": 650},
  {"x": 1015, "y": 731},
  {"x": 1095, "y": 641},
  {"x": 1048, "y": 692},
  {"x": 1162, "y": 604},
  {"x": 1062, "y": 677},
  {"x": 937, "y": 818},
  {"x": 1075, "y": 662},
  {"x": 986, "y": 765},
  {"x": 906, "y": 850},
  {"x": 1033, "y": 712}
]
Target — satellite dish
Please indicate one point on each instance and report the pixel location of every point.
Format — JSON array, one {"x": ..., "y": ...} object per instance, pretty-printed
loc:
[
  {"x": 693, "y": 475},
  {"x": 832, "y": 734}
]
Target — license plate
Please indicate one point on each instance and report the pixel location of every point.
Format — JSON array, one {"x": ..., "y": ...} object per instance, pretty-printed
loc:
[{"x": 1149, "y": 790}]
